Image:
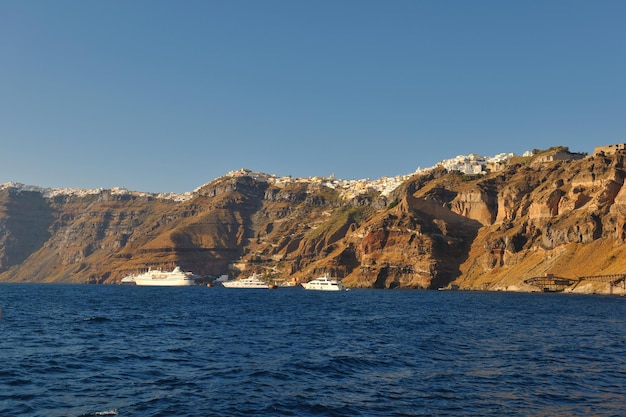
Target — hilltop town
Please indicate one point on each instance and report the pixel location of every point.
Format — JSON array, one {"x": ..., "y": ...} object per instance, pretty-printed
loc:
[{"x": 472, "y": 164}]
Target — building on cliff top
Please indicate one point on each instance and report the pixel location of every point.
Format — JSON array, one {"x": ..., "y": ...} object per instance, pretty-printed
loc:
[
  {"x": 609, "y": 149},
  {"x": 560, "y": 155}
]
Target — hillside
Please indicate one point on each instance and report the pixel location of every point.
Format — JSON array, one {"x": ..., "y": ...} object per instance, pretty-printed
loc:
[{"x": 529, "y": 217}]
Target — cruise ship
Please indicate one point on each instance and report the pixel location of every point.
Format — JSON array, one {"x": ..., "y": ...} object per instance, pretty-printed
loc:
[{"x": 157, "y": 277}]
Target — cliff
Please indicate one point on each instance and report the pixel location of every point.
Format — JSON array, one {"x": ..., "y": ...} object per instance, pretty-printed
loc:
[{"x": 489, "y": 231}]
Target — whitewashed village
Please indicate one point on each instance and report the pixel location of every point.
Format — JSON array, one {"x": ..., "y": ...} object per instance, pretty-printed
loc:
[{"x": 472, "y": 164}]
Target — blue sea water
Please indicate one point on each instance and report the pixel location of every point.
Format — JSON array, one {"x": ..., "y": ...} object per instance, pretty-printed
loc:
[{"x": 81, "y": 350}]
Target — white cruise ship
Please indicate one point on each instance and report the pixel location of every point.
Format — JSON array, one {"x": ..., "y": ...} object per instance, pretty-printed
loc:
[
  {"x": 252, "y": 281},
  {"x": 157, "y": 277},
  {"x": 324, "y": 283}
]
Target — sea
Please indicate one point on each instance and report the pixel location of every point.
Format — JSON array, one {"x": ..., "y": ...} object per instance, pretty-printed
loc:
[{"x": 106, "y": 350}]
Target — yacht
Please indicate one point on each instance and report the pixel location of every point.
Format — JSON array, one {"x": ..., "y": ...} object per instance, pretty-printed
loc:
[
  {"x": 252, "y": 281},
  {"x": 324, "y": 283},
  {"x": 129, "y": 280},
  {"x": 157, "y": 277}
]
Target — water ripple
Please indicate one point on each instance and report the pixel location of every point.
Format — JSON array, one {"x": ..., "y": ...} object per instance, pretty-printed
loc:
[{"x": 136, "y": 351}]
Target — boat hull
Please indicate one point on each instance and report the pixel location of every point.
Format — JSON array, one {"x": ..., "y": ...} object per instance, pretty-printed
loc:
[
  {"x": 318, "y": 288},
  {"x": 247, "y": 286},
  {"x": 164, "y": 282}
]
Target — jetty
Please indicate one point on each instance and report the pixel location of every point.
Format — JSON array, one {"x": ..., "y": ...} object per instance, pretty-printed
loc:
[{"x": 553, "y": 283}]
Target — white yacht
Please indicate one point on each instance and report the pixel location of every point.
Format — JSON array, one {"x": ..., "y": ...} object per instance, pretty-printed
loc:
[
  {"x": 252, "y": 281},
  {"x": 129, "y": 280},
  {"x": 222, "y": 278},
  {"x": 158, "y": 277},
  {"x": 324, "y": 283}
]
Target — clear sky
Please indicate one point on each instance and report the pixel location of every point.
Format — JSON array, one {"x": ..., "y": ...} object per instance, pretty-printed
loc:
[{"x": 164, "y": 96}]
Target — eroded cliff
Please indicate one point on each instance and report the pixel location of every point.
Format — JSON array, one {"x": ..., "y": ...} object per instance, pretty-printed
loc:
[{"x": 436, "y": 230}]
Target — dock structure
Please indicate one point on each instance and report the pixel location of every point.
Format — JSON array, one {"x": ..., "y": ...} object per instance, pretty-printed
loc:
[
  {"x": 621, "y": 280},
  {"x": 613, "y": 280},
  {"x": 552, "y": 283}
]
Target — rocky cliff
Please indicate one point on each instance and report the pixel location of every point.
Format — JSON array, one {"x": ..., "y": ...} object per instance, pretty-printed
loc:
[{"x": 439, "y": 229}]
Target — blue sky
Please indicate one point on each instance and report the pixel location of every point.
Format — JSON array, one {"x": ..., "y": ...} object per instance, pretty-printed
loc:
[{"x": 164, "y": 96}]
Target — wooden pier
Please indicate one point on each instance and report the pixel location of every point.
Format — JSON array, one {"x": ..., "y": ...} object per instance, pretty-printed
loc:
[
  {"x": 553, "y": 283},
  {"x": 614, "y": 280}
]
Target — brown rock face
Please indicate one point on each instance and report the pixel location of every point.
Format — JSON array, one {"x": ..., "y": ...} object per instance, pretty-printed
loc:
[
  {"x": 481, "y": 232},
  {"x": 417, "y": 244},
  {"x": 480, "y": 204}
]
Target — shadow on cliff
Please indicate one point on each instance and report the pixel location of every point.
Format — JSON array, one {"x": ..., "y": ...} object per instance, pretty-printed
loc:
[
  {"x": 26, "y": 222},
  {"x": 452, "y": 235}
]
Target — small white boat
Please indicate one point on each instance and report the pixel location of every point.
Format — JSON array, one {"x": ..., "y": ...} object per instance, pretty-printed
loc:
[
  {"x": 129, "y": 280},
  {"x": 222, "y": 278},
  {"x": 252, "y": 281},
  {"x": 324, "y": 283},
  {"x": 157, "y": 277}
]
